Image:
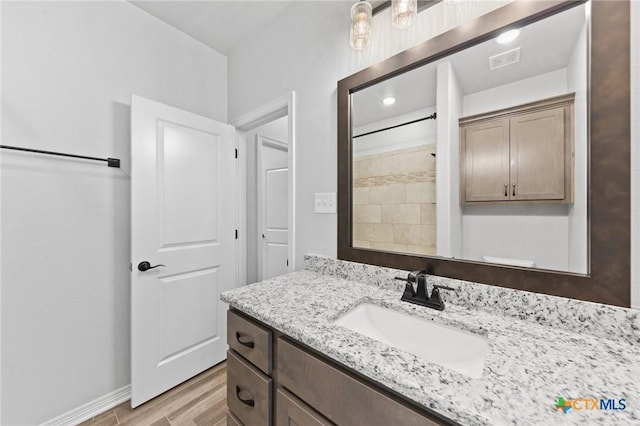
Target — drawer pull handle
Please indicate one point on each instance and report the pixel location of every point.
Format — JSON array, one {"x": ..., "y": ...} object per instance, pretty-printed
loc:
[
  {"x": 246, "y": 401},
  {"x": 244, "y": 341}
]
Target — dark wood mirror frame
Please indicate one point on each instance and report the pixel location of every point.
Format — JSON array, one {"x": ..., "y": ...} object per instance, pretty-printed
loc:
[{"x": 609, "y": 186}]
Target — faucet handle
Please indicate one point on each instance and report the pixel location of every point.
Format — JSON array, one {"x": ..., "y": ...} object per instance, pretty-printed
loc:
[
  {"x": 412, "y": 276},
  {"x": 408, "y": 289},
  {"x": 435, "y": 293},
  {"x": 444, "y": 287},
  {"x": 402, "y": 279}
]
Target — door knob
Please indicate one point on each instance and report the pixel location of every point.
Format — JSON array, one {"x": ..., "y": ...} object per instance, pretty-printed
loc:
[{"x": 145, "y": 266}]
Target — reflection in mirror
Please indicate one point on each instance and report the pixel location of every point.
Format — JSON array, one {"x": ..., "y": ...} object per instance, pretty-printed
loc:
[
  {"x": 394, "y": 167},
  {"x": 481, "y": 155}
]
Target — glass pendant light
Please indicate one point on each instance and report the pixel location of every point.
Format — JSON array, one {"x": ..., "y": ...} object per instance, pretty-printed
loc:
[
  {"x": 361, "y": 14},
  {"x": 403, "y": 13}
]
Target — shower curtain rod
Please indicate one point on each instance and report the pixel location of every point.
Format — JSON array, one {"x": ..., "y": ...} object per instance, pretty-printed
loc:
[
  {"x": 111, "y": 162},
  {"x": 429, "y": 117}
]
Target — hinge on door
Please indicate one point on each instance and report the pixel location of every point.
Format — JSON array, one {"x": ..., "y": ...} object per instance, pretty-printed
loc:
[
  {"x": 287, "y": 262},
  {"x": 130, "y": 267},
  {"x": 236, "y": 234},
  {"x": 236, "y": 152}
]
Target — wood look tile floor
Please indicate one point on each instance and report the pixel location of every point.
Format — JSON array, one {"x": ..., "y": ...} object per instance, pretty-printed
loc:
[{"x": 200, "y": 401}]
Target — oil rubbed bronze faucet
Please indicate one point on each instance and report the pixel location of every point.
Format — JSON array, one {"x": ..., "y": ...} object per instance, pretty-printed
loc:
[{"x": 419, "y": 295}]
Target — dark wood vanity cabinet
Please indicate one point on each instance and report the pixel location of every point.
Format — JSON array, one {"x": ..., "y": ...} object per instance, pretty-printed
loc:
[
  {"x": 292, "y": 411},
  {"x": 250, "y": 340},
  {"x": 273, "y": 380},
  {"x": 249, "y": 360}
]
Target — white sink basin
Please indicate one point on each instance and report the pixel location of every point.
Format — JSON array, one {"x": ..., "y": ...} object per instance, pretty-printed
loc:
[{"x": 450, "y": 347}]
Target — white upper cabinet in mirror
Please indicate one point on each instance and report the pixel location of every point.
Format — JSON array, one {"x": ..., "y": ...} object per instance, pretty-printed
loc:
[{"x": 481, "y": 155}]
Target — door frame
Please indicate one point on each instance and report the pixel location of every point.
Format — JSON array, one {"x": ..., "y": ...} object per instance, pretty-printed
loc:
[
  {"x": 262, "y": 141},
  {"x": 278, "y": 108}
]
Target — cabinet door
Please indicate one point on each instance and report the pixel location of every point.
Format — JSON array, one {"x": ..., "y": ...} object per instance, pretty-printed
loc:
[
  {"x": 485, "y": 147},
  {"x": 293, "y": 412},
  {"x": 339, "y": 397},
  {"x": 538, "y": 155}
]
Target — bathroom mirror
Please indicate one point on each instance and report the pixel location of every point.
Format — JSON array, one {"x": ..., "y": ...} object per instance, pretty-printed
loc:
[
  {"x": 413, "y": 152},
  {"x": 496, "y": 163}
]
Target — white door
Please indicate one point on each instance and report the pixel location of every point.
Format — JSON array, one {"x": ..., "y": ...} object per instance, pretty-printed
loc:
[
  {"x": 183, "y": 218},
  {"x": 273, "y": 205}
]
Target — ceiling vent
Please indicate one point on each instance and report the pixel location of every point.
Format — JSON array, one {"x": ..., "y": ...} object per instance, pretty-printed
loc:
[{"x": 504, "y": 59}]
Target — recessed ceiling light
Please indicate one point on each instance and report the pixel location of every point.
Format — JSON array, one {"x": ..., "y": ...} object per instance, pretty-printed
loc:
[
  {"x": 508, "y": 36},
  {"x": 389, "y": 100}
]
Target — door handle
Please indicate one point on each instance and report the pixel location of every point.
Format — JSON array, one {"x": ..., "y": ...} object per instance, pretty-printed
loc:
[
  {"x": 145, "y": 266},
  {"x": 514, "y": 190},
  {"x": 505, "y": 189}
]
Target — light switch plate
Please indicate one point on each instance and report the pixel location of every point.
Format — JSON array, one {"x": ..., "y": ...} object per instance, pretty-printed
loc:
[{"x": 325, "y": 202}]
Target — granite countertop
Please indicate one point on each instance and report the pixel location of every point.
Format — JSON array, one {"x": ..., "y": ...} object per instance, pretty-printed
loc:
[{"x": 528, "y": 366}]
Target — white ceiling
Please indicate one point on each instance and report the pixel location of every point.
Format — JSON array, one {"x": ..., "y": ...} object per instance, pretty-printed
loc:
[
  {"x": 546, "y": 46},
  {"x": 218, "y": 24},
  {"x": 413, "y": 90}
]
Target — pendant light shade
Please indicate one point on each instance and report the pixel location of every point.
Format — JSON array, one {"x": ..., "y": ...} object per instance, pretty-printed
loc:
[
  {"x": 403, "y": 13},
  {"x": 361, "y": 14}
]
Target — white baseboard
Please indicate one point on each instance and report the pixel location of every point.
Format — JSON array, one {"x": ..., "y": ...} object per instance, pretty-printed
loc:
[{"x": 91, "y": 409}]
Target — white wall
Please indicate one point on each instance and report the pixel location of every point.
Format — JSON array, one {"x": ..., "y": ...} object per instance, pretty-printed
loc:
[
  {"x": 278, "y": 51},
  {"x": 68, "y": 72},
  {"x": 276, "y": 129},
  {"x": 539, "y": 233},
  {"x": 448, "y": 213},
  {"x": 577, "y": 76},
  {"x": 541, "y": 86},
  {"x": 306, "y": 49}
]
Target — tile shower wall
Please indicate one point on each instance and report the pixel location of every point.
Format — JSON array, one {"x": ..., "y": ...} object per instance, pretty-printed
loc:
[{"x": 395, "y": 200}]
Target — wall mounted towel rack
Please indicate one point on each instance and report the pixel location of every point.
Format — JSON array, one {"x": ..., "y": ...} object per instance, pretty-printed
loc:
[{"x": 111, "y": 162}]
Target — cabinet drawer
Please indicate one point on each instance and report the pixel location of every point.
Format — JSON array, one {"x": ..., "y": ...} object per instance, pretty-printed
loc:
[
  {"x": 248, "y": 392},
  {"x": 339, "y": 397},
  {"x": 232, "y": 420},
  {"x": 291, "y": 411},
  {"x": 250, "y": 340}
]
